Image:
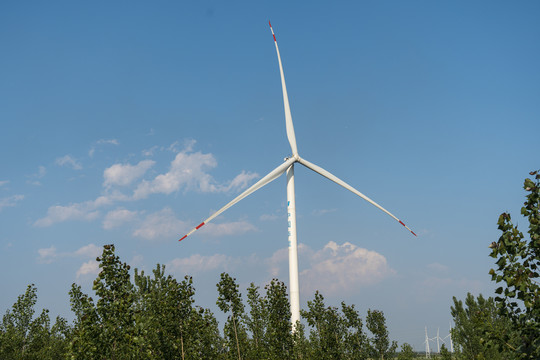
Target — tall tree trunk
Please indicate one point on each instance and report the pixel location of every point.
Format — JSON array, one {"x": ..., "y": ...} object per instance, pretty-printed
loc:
[
  {"x": 182, "y": 345},
  {"x": 236, "y": 336}
]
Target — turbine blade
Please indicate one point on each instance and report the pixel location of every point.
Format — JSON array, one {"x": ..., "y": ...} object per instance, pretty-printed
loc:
[
  {"x": 338, "y": 181},
  {"x": 274, "y": 174},
  {"x": 288, "y": 117}
]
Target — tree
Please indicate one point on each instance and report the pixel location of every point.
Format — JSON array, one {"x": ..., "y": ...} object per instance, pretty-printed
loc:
[
  {"x": 163, "y": 314},
  {"x": 301, "y": 344},
  {"x": 106, "y": 329},
  {"x": 406, "y": 352},
  {"x": 278, "y": 331},
  {"x": 445, "y": 354},
  {"x": 257, "y": 322},
  {"x": 478, "y": 328},
  {"x": 380, "y": 345},
  {"x": 169, "y": 325},
  {"x": 518, "y": 263},
  {"x": 154, "y": 318},
  {"x": 24, "y": 338},
  {"x": 207, "y": 335},
  {"x": 355, "y": 338},
  {"x": 230, "y": 299},
  {"x": 327, "y": 329},
  {"x": 16, "y": 325}
]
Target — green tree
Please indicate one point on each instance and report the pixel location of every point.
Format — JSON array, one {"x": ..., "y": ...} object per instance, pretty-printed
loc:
[
  {"x": 106, "y": 329},
  {"x": 444, "y": 353},
  {"x": 278, "y": 332},
  {"x": 301, "y": 344},
  {"x": 22, "y": 337},
  {"x": 406, "y": 352},
  {"x": 518, "y": 262},
  {"x": 327, "y": 329},
  {"x": 163, "y": 313},
  {"x": 380, "y": 345},
  {"x": 207, "y": 335},
  {"x": 230, "y": 300},
  {"x": 169, "y": 325},
  {"x": 355, "y": 338},
  {"x": 257, "y": 322},
  {"x": 478, "y": 328}
]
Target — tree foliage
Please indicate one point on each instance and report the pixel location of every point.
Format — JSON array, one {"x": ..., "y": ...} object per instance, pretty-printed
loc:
[
  {"x": 24, "y": 337},
  {"x": 106, "y": 328},
  {"x": 155, "y": 317},
  {"x": 517, "y": 271},
  {"x": 380, "y": 345},
  {"x": 406, "y": 352},
  {"x": 230, "y": 301},
  {"x": 169, "y": 326},
  {"x": 479, "y": 328}
]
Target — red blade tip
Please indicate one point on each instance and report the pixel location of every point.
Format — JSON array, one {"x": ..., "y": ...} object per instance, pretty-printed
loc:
[
  {"x": 269, "y": 23},
  {"x": 185, "y": 236}
]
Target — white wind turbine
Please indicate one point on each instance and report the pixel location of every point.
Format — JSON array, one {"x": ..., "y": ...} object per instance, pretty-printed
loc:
[{"x": 288, "y": 167}]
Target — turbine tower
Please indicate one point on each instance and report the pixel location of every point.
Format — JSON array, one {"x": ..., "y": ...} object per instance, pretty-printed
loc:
[
  {"x": 450, "y": 336},
  {"x": 288, "y": 167},
  {"x": 428, "y": 354}
]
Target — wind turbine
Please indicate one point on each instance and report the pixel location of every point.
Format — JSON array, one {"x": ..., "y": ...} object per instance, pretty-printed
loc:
[{"x": 288, "y": 167}]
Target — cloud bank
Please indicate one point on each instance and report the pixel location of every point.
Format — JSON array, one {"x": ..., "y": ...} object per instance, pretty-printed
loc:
[{"x": 130, "y": 183}]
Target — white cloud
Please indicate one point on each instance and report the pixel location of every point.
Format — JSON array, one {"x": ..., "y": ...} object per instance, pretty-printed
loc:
[
  {"x": 277, "y": 260},
  {"x": 321, "y": 212},
  {"x": 47, "y": 255},
  {"x": 334, "y": 270},
  {"x": 102, "y": 142},
  {"x": 190, "y": 171},
  {"x": 269, "y": 217},
  {"x": 137, "y": 260},
  {"x": 199, "y": 263},
  {"x": 124, "y": 175},
  {"x": 174, "y": 147},
  {"x": 118, "y": 217},
  {"x": 150, "y": 152},
  {"x": 186, "y": 170},
  {"x": 162, "y": 224},
  {"x": 240, "y": 182},
  {"x": 69, "y": 161},
  {"x": 42, "y": 171},
  {"x": 189, "y": 144},
  {"x": 438, "y": 267},
  {"x": 342, "y": 268},
  {"x": 90, "y": 267},
  {"x": 231, "y": 228},
  {"x": 108, "y": 141},
  {"x": 50, "y": 254},
  {"x": 79, "y": 211},
  {"x": 4, "y": 182},
  {"x": 89, "y": 250},
  {"x": 10, "y": 201}
]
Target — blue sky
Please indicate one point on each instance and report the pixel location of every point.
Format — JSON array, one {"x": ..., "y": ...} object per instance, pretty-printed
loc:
[{"x": 129, "y": 123}]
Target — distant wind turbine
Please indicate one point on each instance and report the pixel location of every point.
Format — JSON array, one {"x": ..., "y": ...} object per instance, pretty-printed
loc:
[{"x": 288, "y": 167}]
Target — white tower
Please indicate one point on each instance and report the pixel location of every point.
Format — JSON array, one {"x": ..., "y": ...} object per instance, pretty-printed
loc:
[{"x": 428, "y": 355}]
